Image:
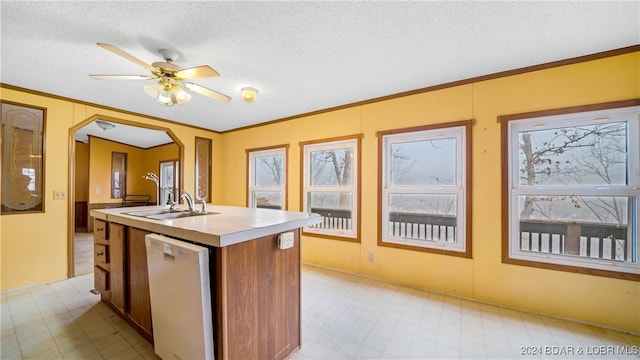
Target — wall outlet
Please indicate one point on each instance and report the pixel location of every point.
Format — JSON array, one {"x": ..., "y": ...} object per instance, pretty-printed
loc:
[
  {"x": 285, "y": 240},
  {"x": 371, "y": 257},
  {"x": 59, "y": 195},
  {"x": 97, "y": 190}
]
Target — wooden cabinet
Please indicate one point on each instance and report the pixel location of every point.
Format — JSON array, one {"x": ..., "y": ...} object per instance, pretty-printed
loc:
[
  {"x": 101, "y": 258},
  {"x": 101, "y": 280},
  {"x": 116, "y": 268},
  {"x": 139, "y": 305},
  {"x": 100, "y": 230},
  {"x": 258, "y": 299},
  {"x": 255, "y": 290},
  {"x": 120, "y": 273}
]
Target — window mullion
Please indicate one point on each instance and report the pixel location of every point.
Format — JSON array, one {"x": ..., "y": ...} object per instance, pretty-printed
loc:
[
  {"x": 268, "y": 188},
  {"x": 571, "y": 191}
]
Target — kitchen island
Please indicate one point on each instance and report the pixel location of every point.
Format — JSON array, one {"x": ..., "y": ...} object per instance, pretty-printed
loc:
[{"x": 255, "y": 283}]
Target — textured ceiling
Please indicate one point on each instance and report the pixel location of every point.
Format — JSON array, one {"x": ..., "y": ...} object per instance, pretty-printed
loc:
[
  {"x": 302, "y": 56},
  {"x": 126, "y": 134}
]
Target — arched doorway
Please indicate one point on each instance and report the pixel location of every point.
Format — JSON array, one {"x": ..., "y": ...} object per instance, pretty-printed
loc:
[{"x": 131, "y": 126}]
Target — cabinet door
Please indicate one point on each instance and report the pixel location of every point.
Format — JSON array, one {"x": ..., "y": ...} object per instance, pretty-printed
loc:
[
  {"x": 259, "y": 297},
  {"x": 139, "y": 304},
  {"x": 101, "y": 280},
  {"x": 116, "y": 271}
]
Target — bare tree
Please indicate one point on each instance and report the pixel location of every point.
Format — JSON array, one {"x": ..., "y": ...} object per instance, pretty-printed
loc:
[
  {"x": 600, "y": 161},
  {"x": 400, "y": 164},
  {"x": 274, "y": 164},
  {"x": 329, "y": 167},
  {"x": 574, "y": 155}
]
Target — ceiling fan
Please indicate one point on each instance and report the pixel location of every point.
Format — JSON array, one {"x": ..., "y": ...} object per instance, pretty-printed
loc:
[{"x": 166, "y": 90}]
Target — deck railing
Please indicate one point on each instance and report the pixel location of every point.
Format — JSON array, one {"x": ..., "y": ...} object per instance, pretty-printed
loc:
[
  {"x": 592, "y": 240},
  {"x": 333, "y": 219},
  {"x": 407, "y": 225},
  {"x": 423, "y": 226}
]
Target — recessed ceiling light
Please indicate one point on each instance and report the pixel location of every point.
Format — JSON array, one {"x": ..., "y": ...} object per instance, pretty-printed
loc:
[{"x": 249, "y": 94}]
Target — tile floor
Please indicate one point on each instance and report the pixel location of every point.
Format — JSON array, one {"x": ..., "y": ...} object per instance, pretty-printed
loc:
[
  {"x": 83, "y": 252},
  {"x": 343, "y": 317},
  {"x": 63, "y": 320},
  {"x": 349, "y": 317}
]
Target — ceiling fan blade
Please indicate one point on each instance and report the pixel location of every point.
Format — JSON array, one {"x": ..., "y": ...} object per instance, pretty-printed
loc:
[
  {"x": 207, "y": 92},
  {"x": 116, "y": 50},
  {"x": 122, "y": 77},
  {"x": 196, "y": 72}
]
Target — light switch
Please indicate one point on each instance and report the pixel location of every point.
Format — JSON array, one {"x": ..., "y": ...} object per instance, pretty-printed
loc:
[
  {"x": 59, "y": 195},
  {"x": 285, "y": 240}
]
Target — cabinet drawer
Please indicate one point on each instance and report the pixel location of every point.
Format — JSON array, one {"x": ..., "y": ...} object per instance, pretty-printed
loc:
[
  {"x": 101, "y": 279},
  {"x": 101, "y": 255},
  {"x": 100, "y": 230}
]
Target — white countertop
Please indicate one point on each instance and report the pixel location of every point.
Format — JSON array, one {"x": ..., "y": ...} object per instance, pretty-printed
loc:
[{"x": 231, "y": 225}]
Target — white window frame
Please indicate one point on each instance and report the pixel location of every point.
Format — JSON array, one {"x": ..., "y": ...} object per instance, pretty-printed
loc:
[
  {"x": 457, "y": 131},
  {"x": 353, "y": 143},
  {"x": 252, "y": 188},
  {"x": 631, "y": 189}
]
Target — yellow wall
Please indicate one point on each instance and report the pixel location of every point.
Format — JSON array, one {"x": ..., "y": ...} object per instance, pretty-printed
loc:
[
  {"x": 32, "y": 254},
  {"x": 33, "y": 247},
  {"x": 139, "y": 162},
  {"x": 100, "y": 170},
  {"x": 611, "y": 302}
]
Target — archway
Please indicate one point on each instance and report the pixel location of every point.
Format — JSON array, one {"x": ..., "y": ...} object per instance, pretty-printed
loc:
[{"x": 72, "y": 174}]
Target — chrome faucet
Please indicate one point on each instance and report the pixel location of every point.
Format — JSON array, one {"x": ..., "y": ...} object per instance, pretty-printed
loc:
[
  {"x": 153, "y": 177},
  {"x": 172, "y": 204},
  {"x": 189, "y": 199},
  {"x": 203, "y": 210}
]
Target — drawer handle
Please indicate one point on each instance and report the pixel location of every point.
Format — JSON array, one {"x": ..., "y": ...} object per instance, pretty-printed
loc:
[
  {"x": 100, "y": 254},
  {"x": 99, "y": 229}
]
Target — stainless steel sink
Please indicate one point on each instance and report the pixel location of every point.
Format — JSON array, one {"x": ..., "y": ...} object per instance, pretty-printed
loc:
[
  {"x": 144, "y": 213},
  {"x": 164, "y": 214},
  {"x": 176, "y": 215}
]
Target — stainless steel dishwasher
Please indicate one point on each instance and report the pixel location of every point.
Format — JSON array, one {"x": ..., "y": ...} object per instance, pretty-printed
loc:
[{"x": 180, "y": 298}]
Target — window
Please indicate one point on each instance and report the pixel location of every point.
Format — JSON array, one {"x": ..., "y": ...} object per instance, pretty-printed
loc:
[
  {"x": 203, "y": 169},
  {"x": 330, "y": 186},
  {"x": 267, "y": 177},
  {"x": 425, "y": 186},
  {"x": 118, "y": 175},
  {"x": 22, "y": 151},
  {"x": 170, "y": 183},
  {"x": 571, "y": 189}
]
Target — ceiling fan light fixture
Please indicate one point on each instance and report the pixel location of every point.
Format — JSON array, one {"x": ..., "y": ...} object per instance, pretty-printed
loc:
[
  {"x": 249, "y": 94},
  {"x": 166, "y": 97},
  {"x": 153, "y": 90},
  {"x": 181, "y": 96},
  {"x": 166, "y": 93}
]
